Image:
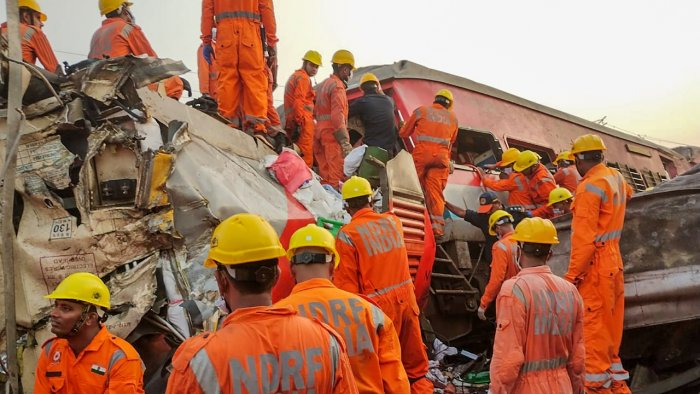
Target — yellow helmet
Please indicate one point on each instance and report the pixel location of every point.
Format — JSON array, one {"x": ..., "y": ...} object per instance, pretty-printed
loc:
[
  {"x": 313, "y": 57},
  {"x": 497, "y": 218},
  {"x": 559, "y": 194},
  {"x": 243, "y": 238},
  {"x": 32, "y": 5},
  {"x": 356, "y": 187},
  {"x": 107, "y": 6},
  {"x": 508, "y": 157},
  {"x": 84, "y": 287},
  {"x": 525, "y": 160},
  {"x": 446, "y": 94},
  {"x": 536, "y": 230},
  {"x": 564, "y": 155},
  {"x": 369, "y": 77},
  {"x": 312, "y": 235},
  {"x": 344, "y": 56},
  {"x": 587, "y": 143}
]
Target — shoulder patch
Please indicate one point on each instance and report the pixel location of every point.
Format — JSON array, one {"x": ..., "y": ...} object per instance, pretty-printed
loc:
[
  {"x": 126, "y": 347},
  {"x": 188, "y": 349}
]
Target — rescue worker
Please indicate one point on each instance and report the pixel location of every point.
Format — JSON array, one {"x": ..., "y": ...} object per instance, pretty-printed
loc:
[
  {"x": 331, "y": 140},
  {"x": 84, "y": 356},
  {"x": 503, "y": 253},
  {"x": 207, "y": 74},
  {"x": 566, "y": 176},
  {"x": 243, "y": 79},
  {"x": 435, "y": 129},
  {"x": 560, "y": 200},
  {"x": 373, "y": 345},
  {"x": 374, "y": 263},
  {"x": 510, "y": 181},
  {"x": 539, "y": 346},
  {"x": 595, "y": 265},
  {"x": 376, "y": 111},
  {"x": 119, "y": 35},
  {"x": 35, "y": 44},
  {"x": 539, "y": 181},
  {"x": 299, "y": 99},
  {"x": 258, "y": 348}
]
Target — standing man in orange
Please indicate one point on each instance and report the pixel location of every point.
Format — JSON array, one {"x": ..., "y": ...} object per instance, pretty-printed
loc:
[
  {"x": 373, "y": 346},
  {"x": 259, "y": 348},
  {"x": 331, "y": 140},
  {"x": 540, "y": 182},
  {"x": 539, "y": 346},
  {"x": 119, "y": 35},
  {"x": 84, "y": 356},
  {"x": 374, "y": 263},
  {"x": 35, "y": 45},
  {"x": 434, "y": 129},
  {"x": 567, "y": 175},
  {"x": 207, "y": 74},
  {"x": 299, "y": 99},
  {"x": 243, "y": 79},
  {"x": 595, "y": 266},
  {"x": 510, "y": 181}
]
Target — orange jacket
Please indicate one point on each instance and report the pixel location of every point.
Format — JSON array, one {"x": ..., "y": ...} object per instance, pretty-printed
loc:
[
  {"x": 568, "y": 178},
  {"x": 540, "y": 184},
  {"x": 255, "y": 11},
  {"x": 599, "y": 214},
  {"x": 108, "y": 364},
  {"x": 373, "y": 345},
  {"x": 503, "y": 267},
  {"x": 263, "y": 349},
  {"x": 117, "y": 38},
  {"x": 174, "y": 87},
  {"x": 433, "y": 124},
  {"x": 539, "y": 345},
  {"x": 331, "y": 110},
  {"x": 298, "y": 99},
  {"x": 207, "y": 74},
  {"x": 35, "y": 45},
  {"x": 516, "y": 186}
]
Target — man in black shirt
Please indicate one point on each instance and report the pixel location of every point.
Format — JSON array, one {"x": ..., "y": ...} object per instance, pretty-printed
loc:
[{"x": 376, "y": 111}]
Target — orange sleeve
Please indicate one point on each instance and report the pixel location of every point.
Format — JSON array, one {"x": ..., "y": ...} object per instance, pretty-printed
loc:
[
  {"x": 138, "y": 43},
  {"x": 339, "y": 108},
  {"x": 543, "y": 211},
  {"x": 43, "y": 51},
  {"x": 202, "y": 72},
  {"x": 346, "y": 275},
  {"x": 344, "y": 379},
  {"x": 410, "y": 124},
  {"x": 41, "y": 384},
  {"x": 267, "y": 13},
  {"x": 301, "y": 90},
  {"x": 499, "y": 265},
  {"x": 455, "y": 131},
  {"x": 508, "y": 353},
  {"x": 544, "y": 186},
  {"x": 394, "y": 375},
  {"x": 126, "y": 377},
  {"x": 207, "y": 23},
  {"x": 500, "y": 185},
  {"x": 584, "y": 224},
  {"x": 576, "y": 366},
  {"x": 559, "y": 176},
  {"x": 183, "y": 382},
  {"x": 629, "y": 191}
]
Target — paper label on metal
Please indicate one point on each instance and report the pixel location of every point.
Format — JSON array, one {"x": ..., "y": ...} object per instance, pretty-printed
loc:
[
  {"x": 48, "y": 158},
  {"x": 61, "y": 228},
  {"x": 55, "y": 268}
]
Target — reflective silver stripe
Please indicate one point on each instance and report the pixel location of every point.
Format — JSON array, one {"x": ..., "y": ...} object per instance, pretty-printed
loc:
[
  {"x": 519, "y": 184},
  {"x": 116, "y": 356},
  {"x": 435, "y": 140},
  {"x": 345, "y": 238},
  {"x": 599, "y": 377},
  {"x": 518, "y": 293},
  {"x": 621, "y": 376},
  {"x": 308, "y": 108},
  {"x": 617, "y": 367},
  {"x": 566, "y": 171},
  {"x": 377, "y": 317},
  {"x": 334, "y": 351},
  {"x": 616, "y": 234},
  {"x": 205, "y": 373},
  {"x": 543, "y": 365},
  {"x": 501, "y": 246},
  {"x": 28, "y": 34},
  {"x": 126, "y": 30},
  {"x": 388, "y": 289},
  {"x": 237, "y": 15},
  {"x": 323, "y": 117},
  {"x": 600, "y": 192},
  {"x": 47, "y": 347}
]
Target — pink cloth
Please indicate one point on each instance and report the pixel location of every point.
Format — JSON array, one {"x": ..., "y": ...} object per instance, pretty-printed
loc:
[{"x": 290, "y": 171}]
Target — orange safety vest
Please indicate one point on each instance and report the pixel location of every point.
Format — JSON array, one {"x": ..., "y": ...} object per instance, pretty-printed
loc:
[
  {"x": 117, "y": 38},
  {"x": 256, "y": 11},
  {"x": 517, "y": 187},
  {"x": 503, "y": 267},
  {"x": 331, "y": 110},
  {"x": 432, "y": 125},
  {"x": 568, "y": 178},
  {"x": 298, "y": 99}
]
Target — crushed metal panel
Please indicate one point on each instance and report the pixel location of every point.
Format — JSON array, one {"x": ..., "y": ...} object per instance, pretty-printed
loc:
[
  {"x": 160, "y": 167},
  {"x": 402, "y": 176},
  {"x": 45, "y": 157}
]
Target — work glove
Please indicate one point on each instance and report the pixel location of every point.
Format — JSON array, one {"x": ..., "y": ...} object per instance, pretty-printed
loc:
[
  {"x": 482, "y": 313},
  {"x": 341, "y": 135},
  {"x": 208, "y": 53}
]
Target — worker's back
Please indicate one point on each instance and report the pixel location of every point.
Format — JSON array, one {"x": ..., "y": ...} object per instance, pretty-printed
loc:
[
  {"x": 116, "y": 37},
  {"x": 568, "y": 178},
  {"x": 433, "y": 125},
  {"x": 331, "y": 109},
  {"x": 376, "y": 111},
  {"x": 516, "y": 184},
  {"x": 541, "y": 183}
]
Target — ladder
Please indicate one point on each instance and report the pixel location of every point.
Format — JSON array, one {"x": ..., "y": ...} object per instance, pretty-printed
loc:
[{"x": 451, "y": 289}]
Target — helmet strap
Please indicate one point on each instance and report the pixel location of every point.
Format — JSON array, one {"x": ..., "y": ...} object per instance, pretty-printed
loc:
[{"x": 81, "y": 322}]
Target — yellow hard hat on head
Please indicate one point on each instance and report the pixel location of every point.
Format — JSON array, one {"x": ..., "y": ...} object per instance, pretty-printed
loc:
[
  {"x": 537, "y": 231},
  {"x": 497, "y": 218},
  {"x": 559, "y": 194},
  {"x": 32, "y": 5},
  {"x": 344, "y": 56},
  {"x": 446, "y": 94},
  {"x": 368, "y": 77},
  {"x": 243, "y": 238},
  {"x": 356, "y": 187},
  {"x": 564, "y": 155},
  {"x": 587, "y": 143},
  {"x": 311, "y": 236},
  {"x": 107, "y": 6},
  {"x": 313, "y": 57},
  {"x": 525, "y": 160},
  {"x": 83, "y": 287},
  {"x": 508, "y": 157}
]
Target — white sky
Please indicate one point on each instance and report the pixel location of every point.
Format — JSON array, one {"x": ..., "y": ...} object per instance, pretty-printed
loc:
[{"x": 636, "y": 62}]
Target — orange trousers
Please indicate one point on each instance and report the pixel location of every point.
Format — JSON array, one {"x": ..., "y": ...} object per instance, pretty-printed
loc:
[
  {"x": 242, "y": 76},
  {"x": 433, "y": 167},
  {"x": 329, "y": 157},
  {"x": 306, "y": 140}
]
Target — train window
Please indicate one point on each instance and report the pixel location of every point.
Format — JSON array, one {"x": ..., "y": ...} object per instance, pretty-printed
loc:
[
  {"x": 476, "y": 147},
  {"x": 546, "y": 153}
]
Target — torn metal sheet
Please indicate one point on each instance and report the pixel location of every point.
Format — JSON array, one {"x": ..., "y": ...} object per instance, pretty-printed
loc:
[{"x": 45, "y": 158}]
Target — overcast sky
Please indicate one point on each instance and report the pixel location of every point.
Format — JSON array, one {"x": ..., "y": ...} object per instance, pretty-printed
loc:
[{"x": 634, "y": 61}]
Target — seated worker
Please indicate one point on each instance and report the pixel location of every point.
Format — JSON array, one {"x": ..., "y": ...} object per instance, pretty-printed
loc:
[
  {"x": 35, "y": 44},
  {"x": 567, "y": 175},
  {"x": 510, "y": 181},
  {"x": 488, "y": 204},
  {"x": 376, "y": 111}
]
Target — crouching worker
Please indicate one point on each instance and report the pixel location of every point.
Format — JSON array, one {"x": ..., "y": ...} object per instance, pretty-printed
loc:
[{"x": 84, "y": 357}]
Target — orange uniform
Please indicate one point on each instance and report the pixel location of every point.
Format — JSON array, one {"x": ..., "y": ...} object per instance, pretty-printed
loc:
[
  {"x": 516, "y": 186},
  {"x": 174, "y": 87},
  {"x": 373, "y": 346},
  {"x": 108, "y": 364},
  {"x": 503, "y": 267},
  {"x": 434, "y": 129},
  {"x": 299, "y": 111},
  {"x": 539, "y": 346},
  {"x": 331, "y": 113},
  {"x": 567, "y": 178},
  {"x": 263, "y": 350},
  {"x": 242, "y": 79},
  {"x": 374, "y": 262},
  {"x": 540, "y": 183},
  {"x": 596, "y": 268},
  {"x": 116, "y": 37},
  {"x": 35, "y": 46},
  {"x": 207, "y": 74}
]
